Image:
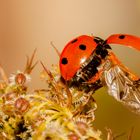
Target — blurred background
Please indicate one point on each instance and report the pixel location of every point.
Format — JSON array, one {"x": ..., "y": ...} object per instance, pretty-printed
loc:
[{"x": 29, "y": 24}]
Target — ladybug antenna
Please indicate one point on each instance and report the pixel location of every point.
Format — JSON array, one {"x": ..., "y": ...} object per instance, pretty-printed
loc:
[
  {"x": 55, "y": 49},
  {"x": 92, "y": 35}
]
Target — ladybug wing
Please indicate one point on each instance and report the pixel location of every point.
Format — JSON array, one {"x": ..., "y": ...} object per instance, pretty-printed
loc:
[{"x": 125, "y": 39}]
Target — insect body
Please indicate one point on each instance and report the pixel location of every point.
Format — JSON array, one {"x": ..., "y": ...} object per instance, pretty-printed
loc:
[{"x": 89, "y": 61}]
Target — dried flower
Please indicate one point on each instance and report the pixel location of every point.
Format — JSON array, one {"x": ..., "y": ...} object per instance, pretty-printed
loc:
[
  {"x": 9, "y": 96},
  {"x": 54, "y": 113},
  {"x": 19, "y": 78},
  {"x": 21, "y": 105},
  {"x": 8, "y": 109},
  {"x": 82, "y": 127},
  {"x": 73, "y": 137}
]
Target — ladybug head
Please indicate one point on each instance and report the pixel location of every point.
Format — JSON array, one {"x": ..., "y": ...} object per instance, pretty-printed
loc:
[{"x": 81, "y": 57}]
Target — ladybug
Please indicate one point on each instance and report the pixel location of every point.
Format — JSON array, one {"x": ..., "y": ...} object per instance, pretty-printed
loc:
[{"x": 82, "y": 57}]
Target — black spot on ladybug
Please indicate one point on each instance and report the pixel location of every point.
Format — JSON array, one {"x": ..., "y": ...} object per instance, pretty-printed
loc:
[
  {"x": 121, "y": 36},
  {"x": 64, "y": 61},
  {"x": 74, "y": 41},
  {"x": 82, "y": 47}
]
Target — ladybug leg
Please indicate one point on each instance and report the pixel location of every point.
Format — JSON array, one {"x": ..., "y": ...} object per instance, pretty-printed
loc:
[
  {"x": 95, "y": 77},
  {"x": 115, "y": 61},
  {"x": 124, "y": 39}
]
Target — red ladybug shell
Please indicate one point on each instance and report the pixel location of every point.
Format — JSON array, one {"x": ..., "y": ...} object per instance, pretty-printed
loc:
[{"x": 75, "y": 53}]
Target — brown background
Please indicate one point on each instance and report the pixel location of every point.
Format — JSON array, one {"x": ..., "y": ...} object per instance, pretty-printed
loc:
[{"x": 29, "y": 24}]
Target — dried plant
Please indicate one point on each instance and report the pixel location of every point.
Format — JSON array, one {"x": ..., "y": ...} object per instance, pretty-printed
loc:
[{"x": 56, "y": 112}]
